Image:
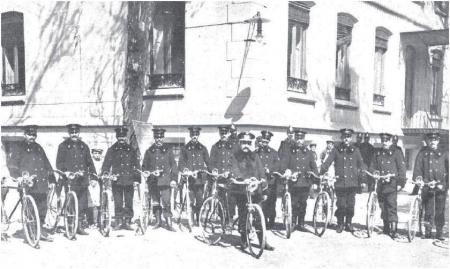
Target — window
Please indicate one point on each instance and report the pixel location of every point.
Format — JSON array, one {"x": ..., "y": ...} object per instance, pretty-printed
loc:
[
  {"x": 298, "y": 23},
  {"x": 167, "y": 35},
  {"x": 436, "y": 63},
  {"x": 381, "y": 45},
  {"x": 13, "y": 54},
  {"x": 410, "y": 58},
  {"x": 343, "y": 42}
]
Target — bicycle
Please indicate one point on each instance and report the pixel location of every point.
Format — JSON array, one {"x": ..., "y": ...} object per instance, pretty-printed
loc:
[
  {"x": 105, "y": 203},
  {"x": 324, "y": 204},
  {"x": 255, "y": 225},
  {"x": 29, "y": 213},
  {"x": 66, "y": 202},
  {"x": 144, "y": 207},
  {"x": 286, "y": 201},
  {"x": 415, "y": 223},
  {"x": 372, "y": 201},
  {"x": 212, "y": 213}
]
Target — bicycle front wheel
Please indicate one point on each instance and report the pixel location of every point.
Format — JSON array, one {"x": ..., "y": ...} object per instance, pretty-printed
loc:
[
  {"x": 212, "y": 220},
  {"x": 255, "y": 230},
  {"x": 287, "y": 214},
  {"x": 71, "y": 215},
  {"x": 322, "y": 209},
  {"x": 53, "y": 208},
  {"x": 30, "y": 221},
  {"x": 185, "y": 211},
  {"x": 372, "y": 208},
  {"x": 105, "y": 216},
  {"x": 413, "y": 221}
]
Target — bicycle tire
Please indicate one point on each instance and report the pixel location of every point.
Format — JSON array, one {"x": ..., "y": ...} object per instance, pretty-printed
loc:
[
  {"x": 185, "y": 206},
  {"x": 30, "y": 221},
  {"x": 53, "y": 212},
  {"x": 105, "y": 216},
  {"x": 71, "y": 215},
  {"x": 212, "y": 220},
  {"x": 321, "y": 213},
  {"x": 144, "y": 218},
  {"x": 255, "y": 230},
  {"x": 372, "y": 208},
  {"x": 287, "y": 214},
  {"x": 413, "y": 221}
]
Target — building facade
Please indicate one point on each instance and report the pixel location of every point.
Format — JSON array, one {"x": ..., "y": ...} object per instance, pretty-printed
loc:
[{"x": 371, "y": 66}]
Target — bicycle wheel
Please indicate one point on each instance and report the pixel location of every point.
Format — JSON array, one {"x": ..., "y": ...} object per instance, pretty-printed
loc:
[
  {"x": 255, "y": 230},
  {"x": 287, "y": 214},
  {"x": 185, "y": 211},
  {"x": 321, "y": 213},
  {"x": 144, "y": 218},
  {"x": 372, "y": 208},
  {"x": 105, "y": 216},
  {"x": 30, "y": 221},
  {"x": 212, "y": 220},
  {"x": 53, "y": 208},
  {"x": 413, "y": 221},
  {"x": 71, "y": 215}
]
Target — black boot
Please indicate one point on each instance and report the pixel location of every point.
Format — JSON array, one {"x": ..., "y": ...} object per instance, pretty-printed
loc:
[
  {"x": 81, "y": 230},
  {"x": 301, "y": 224},
  {"x": 244, "y": 244},
  {"x": 117, "y": 224},
  {"x": 348, "y": 225},
  {"x": 158, "y": 219},
  {"x": 340, "y": 226},
  {"x": 439, "y": 234},
  {"x": 427, "y": 234},
  {"x": 271, "y": 222},
  {"x": 126, "y": 225},
  {"x": 169, "y": 224},
  {"x": 386, "y": 228},
  {"x": 393, "y": 230},
  {"x": 45, "y": 236}
]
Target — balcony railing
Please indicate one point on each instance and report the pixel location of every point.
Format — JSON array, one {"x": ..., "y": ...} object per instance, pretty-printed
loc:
[
  {"x": 15, "y": 89},
  {"x": 342, "y": 93},
  {"x": 166, "y": 81},
  {"x": 297, "y": 85}
]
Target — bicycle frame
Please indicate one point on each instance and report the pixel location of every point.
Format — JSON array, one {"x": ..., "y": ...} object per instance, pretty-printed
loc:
[{"x": 22, "y": 189}]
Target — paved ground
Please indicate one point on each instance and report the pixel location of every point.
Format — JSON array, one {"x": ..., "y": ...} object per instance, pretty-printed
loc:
[{"x": 179, "y": 249}]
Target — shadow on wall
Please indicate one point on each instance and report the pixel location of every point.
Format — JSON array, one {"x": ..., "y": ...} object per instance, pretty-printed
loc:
[{"x": 237, "y": 105}]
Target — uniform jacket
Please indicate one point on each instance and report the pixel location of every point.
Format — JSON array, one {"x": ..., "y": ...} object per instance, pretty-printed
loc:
[
  {"x": 367, "y": 151},
  {"x": 121, "y": 159},
  {"x": 432, "y": 165},
  {"x": 348, "y": 164},
  {"x": 246, "y": 165},
  {"x": 302, "y": 160},
  {"x": 75, "y": 156},
  {"x": 269, "y": 159},
  {"x": 32, "y": 158},
  {"x": 285, "y": 147},
  {"x": 194, "y": 156},
  {"x": 389, "y": 161},
  {"x": 222, "y": 156},
  {"x": 161, "y": 157}
]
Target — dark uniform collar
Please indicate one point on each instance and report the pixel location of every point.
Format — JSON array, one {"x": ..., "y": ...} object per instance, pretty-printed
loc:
[
  {"x": 389, "y": 151},
  {"x": 264, "y": 150},
  {"x": 70, "y": 143},
  {"x": 343, "y": 147},
  {"x": 194, "y": 145},
  {"x": 296, "y": 148},
  {"x": 118, "y": 145},
  {"x": 162, "y": 148},
  {"x": 437, "y": 151}
]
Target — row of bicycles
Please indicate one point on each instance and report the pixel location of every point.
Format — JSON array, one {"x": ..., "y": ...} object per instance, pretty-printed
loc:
[{"x": 214, "y": 217}]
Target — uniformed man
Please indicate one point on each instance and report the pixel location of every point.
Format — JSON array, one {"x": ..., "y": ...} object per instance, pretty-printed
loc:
[
  {"x": 348, "y": 165},
  {"x": 194, "y": 156},
  {"x": 301, "y": 160},
  {"x": 247, "y": 164},
  {"x": 432, "y": 165},
  {"x": 389, "y": 160},
  {"x": 121, "y": 160},
  {"x": 31, "y": 157},
  {"x": 222, "y": 160},
  {"x": 258, "y": 142},
  {"x": 285, "y": 145},
  {"x": 359, "y": 139},
  {"x": 395, "y": 144},
  {"x": 233, "y": 137},
  {"x": 160, "y": 157},
  {"x": 271, "y": 163},
  {"x": 73, "y": 156}
]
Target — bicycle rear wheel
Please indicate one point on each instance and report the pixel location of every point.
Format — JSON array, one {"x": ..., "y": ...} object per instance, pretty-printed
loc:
[
  {"x": 287, "y": 214},
  {"x": 372, "y": 208},
  {"x": 255, "y": 230},
  {"x": 105, "y": 216},
  {"x": 71, "y": 215},
  {"x": 321, "y": 213},
  {"x": 30, "y": 221},
  {"x": 212, "y": 220},
  {"x": 413, "y": 221}
]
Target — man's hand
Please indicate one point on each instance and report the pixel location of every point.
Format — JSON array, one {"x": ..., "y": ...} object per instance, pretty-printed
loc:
[
  {"x": 173, "y": 184},
  {"x": 363, "y": 185},
  {"x": 399, "y": 187},
  {"x": 226, "y": 173},
  {"x": 315, "y": 186},
  {"x": 288, "y": 172},
  {"x": 135, "y": 184},
  {"x": 264, "y": 197},
  {"x": 267, "y": 171}
]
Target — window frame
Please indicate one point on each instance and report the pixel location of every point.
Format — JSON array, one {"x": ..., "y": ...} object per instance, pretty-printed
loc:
[{"x": 382, "y": 36}]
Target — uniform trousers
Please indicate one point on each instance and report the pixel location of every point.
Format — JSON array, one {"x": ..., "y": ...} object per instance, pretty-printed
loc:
[
  {"x": 121, "y": 194},
  {"x": 345, "y": 203},
  {"x": 434, "y": 204},
  {"x": 160, "y": 197},
  {"x": 299, "y": 198},
  {"x": 388, "y": 205}
]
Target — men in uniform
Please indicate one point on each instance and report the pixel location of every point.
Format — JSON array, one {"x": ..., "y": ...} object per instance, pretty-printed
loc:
[
  {"x": 271, "y": 163},
  {"x": 121, "y": 160},
  {"x": 31, "y": 157},
  {"x": 389, "y": 160},
  {"x": 285, "y": 145},
  {"x": 301, "y": 160},
  {"x": 194, "y": 156},
  {"x": 160, "y": 157},
  {"x": 222, "y": 160},
  {"x": 245, "y": 165},
  {"x": 73, "y": 156},
  {"x": 432, "y": 165},
  {"x": 348, "y": 164}
]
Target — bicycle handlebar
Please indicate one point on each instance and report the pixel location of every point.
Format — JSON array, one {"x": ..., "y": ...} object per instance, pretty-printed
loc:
[
  {"x": 215, "y": 174},
  {"x": 147, "y": 173},
  {"x": 377, "y": 176},
  {"x": 291, "y": 177},
  {"x": 432, "y": 184},
  {"x": 187, "y": 173}
]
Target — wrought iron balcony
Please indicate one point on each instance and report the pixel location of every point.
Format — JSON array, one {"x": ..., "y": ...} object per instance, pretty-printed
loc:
[
  {"x": 14, "y": 89},
  {"x": 297, "y": 85},
  {"x": 166, "y": 81}
]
